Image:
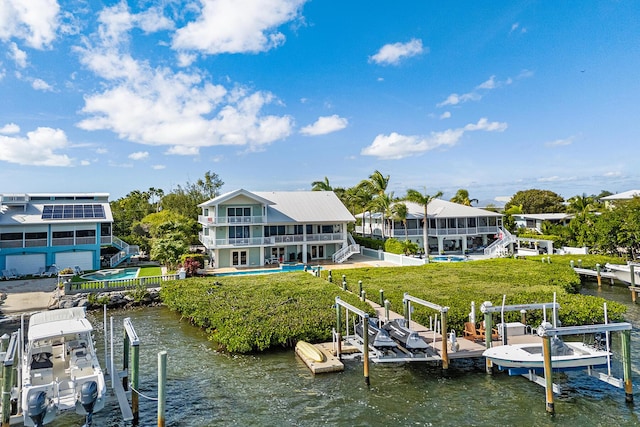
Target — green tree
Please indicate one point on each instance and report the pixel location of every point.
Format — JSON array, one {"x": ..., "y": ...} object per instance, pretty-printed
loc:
[
  {"x": 423, "y": 199},
  {"x": 129, "y": 210},
  {"x": 462, "y": 198},
  {"x": 537, "y": 201},
  {"x": 321, "y": 185},
  {"x": 618, "y": 229},
  {"x": 185, "y": 200},
  {"x": 399, "y": 212},
  {"x": 508, "y": 221}
]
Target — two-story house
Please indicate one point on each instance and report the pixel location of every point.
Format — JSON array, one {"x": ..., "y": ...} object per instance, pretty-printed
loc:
[
  {"x": 452, "y": 227},
  {"x": 38, "y": 230},
  {"x": 244, "y": 229}
]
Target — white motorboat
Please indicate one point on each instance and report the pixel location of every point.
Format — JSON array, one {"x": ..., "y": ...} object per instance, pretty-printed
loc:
[
  {"x": 564, "y": 355},
  {"x": 623, "y": 272},
  {"x": 60, "y": 370}
]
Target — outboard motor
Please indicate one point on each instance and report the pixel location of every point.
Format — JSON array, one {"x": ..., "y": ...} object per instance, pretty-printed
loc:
[
  {"x": 37, "y": 407},
  {"x": 88, "y": 397}
]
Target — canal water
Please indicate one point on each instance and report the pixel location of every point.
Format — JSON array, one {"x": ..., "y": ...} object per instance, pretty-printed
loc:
[{"x": 208, "y": 388}]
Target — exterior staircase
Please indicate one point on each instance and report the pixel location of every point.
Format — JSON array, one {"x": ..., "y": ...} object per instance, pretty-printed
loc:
[
  {"x": 346, "y": 252},
  {"x": 126, "y": 251},
  {"x": 500, "y": 247}
]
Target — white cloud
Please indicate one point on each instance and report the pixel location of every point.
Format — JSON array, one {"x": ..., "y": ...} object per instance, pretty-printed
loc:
[
  {"x": 560, "y": 142},
  {"x": 85, "y": 163},
  {"x": 177, "y": 109},
  {"x": 37, "y": 149},
  {"x": 445, "y": 115},
  {"x": 325, "y": 125},
  {"x": 34, "y": 21},
  {"x": 39, "y": 84},
  {"x": 237, "y": 26},
  {"x": 612, "y": 174},
  {"x": 482, "y": 89},
  {"x": 9, "y": 128},
  {"x": 556, "y": 178},
  {"x": 152, "y": 20},
  {"x": 158, "y": 167},
  {"x": 503, "y": 199},
  {"x": 396, "y": 146},
  {"x": 392, "y": 54},
  {"x": 516, "y": 27},
  {"x": 139, "y": 155},
  {"x": 101, "y": 151},
  {"x": 181, "y": 150},
  {"x": 18, "y": 56}
]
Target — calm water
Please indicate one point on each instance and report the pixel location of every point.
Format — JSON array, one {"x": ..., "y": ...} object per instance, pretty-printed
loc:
[{"x": 206, "y": 388}]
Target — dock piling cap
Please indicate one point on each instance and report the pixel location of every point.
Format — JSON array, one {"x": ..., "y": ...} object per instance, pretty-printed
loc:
[
  {"x": 485, "y": 305},
  {"x": 542, "y": 329}
]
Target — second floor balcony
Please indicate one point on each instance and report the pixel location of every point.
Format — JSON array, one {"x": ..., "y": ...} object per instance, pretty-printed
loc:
[
  {"x": 212, "y": 243},
  {"x": 401, "y": 233},
  {"x": 231, "y": 220}
]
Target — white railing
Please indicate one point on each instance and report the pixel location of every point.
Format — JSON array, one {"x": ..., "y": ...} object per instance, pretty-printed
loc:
[
  {"x": 125, "y": 251},
  {"x": 500, "y": 246},
  {"x": 230, "y": 220},
  {"x": 344, "y": 253},
  {"x": 399, "y": 232},
  {"x": 210, "y": 242}
]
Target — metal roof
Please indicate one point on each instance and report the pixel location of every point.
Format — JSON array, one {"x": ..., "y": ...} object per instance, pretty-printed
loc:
[
  {"x": 441, "y": 209},
  {"x": 626, "y": 195},
  {"x": 30, "y": 212},
  {"x": 293, "y": 206}
]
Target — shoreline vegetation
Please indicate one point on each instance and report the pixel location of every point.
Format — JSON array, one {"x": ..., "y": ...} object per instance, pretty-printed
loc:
[{"x": 258, "y": 313}]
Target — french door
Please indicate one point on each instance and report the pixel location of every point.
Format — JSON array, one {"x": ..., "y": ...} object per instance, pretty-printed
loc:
[{"x": 239, "y": 258}]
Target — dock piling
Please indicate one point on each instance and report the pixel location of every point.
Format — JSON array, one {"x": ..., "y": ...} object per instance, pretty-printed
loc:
[
  {"x": 548, "y": 375},
  {"x": 598, "y": 275},
  {"x": 626, "y": 365},
  {"x": 382, "y": 297},
  {"x": 162, "y": 380}
]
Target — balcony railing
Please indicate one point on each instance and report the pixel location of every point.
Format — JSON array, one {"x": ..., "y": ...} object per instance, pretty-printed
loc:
[
  {"x": 62, "y": 241},
  {"x": 400, "y": 232},
  {"x": 210, "y": 242},
  {"x": 230, "y": 220}
]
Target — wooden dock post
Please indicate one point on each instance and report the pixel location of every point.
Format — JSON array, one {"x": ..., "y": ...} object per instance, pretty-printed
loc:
[
  {"x": 381, "y": 298},
  {"x": 132, "y": 343},
  {"x": 488, "y": 325},
  {"x": 634, "y": 291},
  {"x": 548, "y": 374},
  {"x": 633, "y": 274},
  {"x": 365, "y": 349},
  {"x": 7, "y": 379},
  {"x": 626, "y": 365},
  {"x": 162, "y": 380},
  {"x": 443, "y": 333},
  {"x": 598, "y": 275}
]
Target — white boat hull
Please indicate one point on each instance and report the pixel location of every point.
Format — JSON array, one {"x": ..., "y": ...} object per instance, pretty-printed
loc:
[
  {"x": 623, "y": 272},
  {"x": 58, "y": 360},
  {"x": 530, "y": 356}
]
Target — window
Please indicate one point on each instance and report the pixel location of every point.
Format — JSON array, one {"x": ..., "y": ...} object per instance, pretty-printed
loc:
[
  {"x": 451, "y": 223},
  {"x": 239, "y": 232},
  {"x": 471, "y": 222},
  {"x": 442, "y": 223},
  {"x": 274, "y": 230},
  {"x": 85, "y": 233},
  {"x": 239, "y": 214},
  {"x": 35, "y": 236},
  {"x": 327, "y": 229},
  {"x": 62, "y": 234},
  {"x": 462, "y": 223},
  {"x": 11, "y": 236},
  {"x": 492, "y": 221},
  {"x": 482, "y": 221}
]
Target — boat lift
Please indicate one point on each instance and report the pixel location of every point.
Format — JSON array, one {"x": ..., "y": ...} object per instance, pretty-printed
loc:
[{"x": 548, "y": 330}]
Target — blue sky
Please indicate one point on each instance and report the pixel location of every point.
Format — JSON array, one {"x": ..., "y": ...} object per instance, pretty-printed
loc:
[{"x": 497, "y": 97}]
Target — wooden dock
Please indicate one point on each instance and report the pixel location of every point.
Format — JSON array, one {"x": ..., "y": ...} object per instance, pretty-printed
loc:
[{"x": 585, "y": 272}]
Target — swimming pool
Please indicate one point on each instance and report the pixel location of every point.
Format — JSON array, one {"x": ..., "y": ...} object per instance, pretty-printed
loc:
[
  {"x": 113, "y": 274},
  {"x": 284, "y": 268},
  {"x": 448, "y": 258}
]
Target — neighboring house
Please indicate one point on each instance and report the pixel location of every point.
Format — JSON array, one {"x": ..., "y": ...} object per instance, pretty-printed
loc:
[
  {"x": 452, "y": 227},
  {"x": 244, "y": 228},
  {"x": 534, "y": 221},
  {"x": 39, "y": 230},
  {"x": 625, "y": 195}
]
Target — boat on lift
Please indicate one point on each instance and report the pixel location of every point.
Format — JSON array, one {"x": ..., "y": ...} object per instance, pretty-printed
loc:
[
  {"x": 623, "y": 272},
  {"x": 378, "y": 337},
  {"x": 564, "y": 355},
  {"x": 405, "y": 336},
  {"x": 60, "y": 370}
]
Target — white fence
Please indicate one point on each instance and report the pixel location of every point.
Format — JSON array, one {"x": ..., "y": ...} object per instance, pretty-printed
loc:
[{"x": 394, "y": 258}]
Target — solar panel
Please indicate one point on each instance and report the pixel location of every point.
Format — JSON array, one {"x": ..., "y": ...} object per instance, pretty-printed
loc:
[{"x": 72, "y": 211}]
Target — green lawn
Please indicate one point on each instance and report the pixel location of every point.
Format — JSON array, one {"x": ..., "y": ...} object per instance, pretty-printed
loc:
[{"x": 259, "y": 312}]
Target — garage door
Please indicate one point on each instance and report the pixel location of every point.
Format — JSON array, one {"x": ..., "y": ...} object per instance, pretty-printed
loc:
[
  {"x": 83, "y": 259},
  {"x": 26, "y": 264}
]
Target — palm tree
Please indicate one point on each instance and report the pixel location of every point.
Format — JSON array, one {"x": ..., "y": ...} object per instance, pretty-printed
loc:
[
  {"x": 581, "y": 205},
  {"x": 423, "y": 200},
  {"x": 399, "y": 213},
  {"x": 462, "y": 198},
  {"x": 375, "y": 186},
  {"x": 321, "y": 185}
]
